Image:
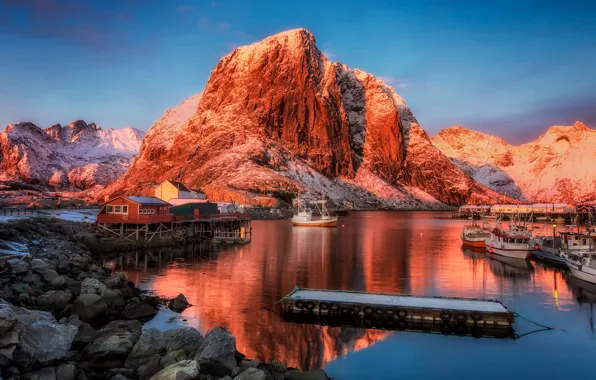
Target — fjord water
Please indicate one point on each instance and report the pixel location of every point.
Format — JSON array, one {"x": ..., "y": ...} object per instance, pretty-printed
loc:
[{"x": 393, "y": 252}]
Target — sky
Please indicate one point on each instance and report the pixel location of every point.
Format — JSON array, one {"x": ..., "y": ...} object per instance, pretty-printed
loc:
[{"x": 510, "y": 68}]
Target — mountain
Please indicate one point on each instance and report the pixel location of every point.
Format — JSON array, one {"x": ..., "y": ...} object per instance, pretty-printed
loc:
[
  {"x": 76, "y": 156},
  {"x": 278, "y": 115},
  {"x": 556, "y": 167}
]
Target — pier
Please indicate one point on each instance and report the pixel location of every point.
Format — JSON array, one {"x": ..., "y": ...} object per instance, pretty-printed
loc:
[{"x": 462, "y": 316}]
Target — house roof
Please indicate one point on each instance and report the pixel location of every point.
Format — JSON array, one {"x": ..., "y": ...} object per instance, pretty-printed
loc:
[
  {"x": 143, "y": 201},
  {"x": 179, "y": 185},
  {"x": 197, "y": 191}
]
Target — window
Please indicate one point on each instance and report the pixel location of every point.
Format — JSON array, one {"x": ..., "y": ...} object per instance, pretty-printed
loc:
[
  {"x": 117, "y": 209},
  {"x": 147, "y": 211},
  {"x": 125, "y": 210},
  {"x": 109, "y": 209}
]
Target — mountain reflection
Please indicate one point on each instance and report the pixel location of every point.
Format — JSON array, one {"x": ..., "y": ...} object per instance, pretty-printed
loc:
[{"x": 409, "y": 253}]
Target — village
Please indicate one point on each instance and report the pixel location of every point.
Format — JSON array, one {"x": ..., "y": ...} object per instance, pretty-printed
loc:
[{"x": 539, "y": 212}]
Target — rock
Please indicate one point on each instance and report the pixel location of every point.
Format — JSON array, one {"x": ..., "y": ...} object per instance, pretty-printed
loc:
[
  {"x": 113, "y": 299},
  {"x": 65, "y": 371},
  {"x": 89, "y": 307},
  {"x": 31, "y": 278},
  {"x": 85, "y": 335},
  {"x": 179, "y": 303},
  {"x": 79, "y": 261},
  {"x": 117, "y": 373},
  {"x": 59, "y": 282},
  {"x": 251, "y": 374},
  {"x": 279, "y": 367},
  {"x": 186, "y": 369},
  {"x": 186, "y": 338},
  {"x": 39, "y": 266},
  {"x": 54, "y": 300},
  {"x": 246, "y": 364},
  {"x": 43, "y": 341},
  {"x": 63, "y": 266},
  {"x": 73, "y": 286},
  {"x": 10, "y": 372},
  {"x": 92, "y": 286},
  {"x": 118, "y": 377},
  {"x": 216, "y": 355},
  {"x": 116, "y": 281},
  {"x": 49, "y": 275},
  {"x": 18, "y": 266},
  {"x": 317, "y": 374},
  {"x": 47, "y": 373},
  {"x": 172, "y": 357},
  {"x": 138, "y": 310},
  {"x": 112, "y": 345},
  {"x": 152, "y": 342},
  {"x": 149, "y": 368},
  {"x": 24, "y": 298}
]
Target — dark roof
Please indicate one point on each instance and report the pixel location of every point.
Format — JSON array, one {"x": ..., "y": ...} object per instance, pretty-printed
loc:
[
  {"x": 143, "y": 201},
  {"x": 179, "y": 185}
]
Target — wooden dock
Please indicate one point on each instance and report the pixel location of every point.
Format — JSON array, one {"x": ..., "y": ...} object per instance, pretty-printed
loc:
[{"x": 462, "y": 316}]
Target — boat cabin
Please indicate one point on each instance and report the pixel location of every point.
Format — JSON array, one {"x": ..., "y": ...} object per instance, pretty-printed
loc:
[
  {"x": 135, "y": 209},
  {"x": 576, "y": 240}
]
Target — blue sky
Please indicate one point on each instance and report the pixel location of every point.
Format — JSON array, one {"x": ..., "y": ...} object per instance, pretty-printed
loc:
[{"x": 510, "y": 68}]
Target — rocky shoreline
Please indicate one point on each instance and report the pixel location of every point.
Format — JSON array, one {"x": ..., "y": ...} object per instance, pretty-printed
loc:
[{"x": 64, "y": 316}]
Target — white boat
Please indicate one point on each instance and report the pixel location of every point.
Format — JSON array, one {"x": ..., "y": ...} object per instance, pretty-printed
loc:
[
  {"x": 304, "y": 217},
  {"x": 514, "y": 242},
  {"x": 582, "y": 265},
  {"x": 576, "y": 241}
]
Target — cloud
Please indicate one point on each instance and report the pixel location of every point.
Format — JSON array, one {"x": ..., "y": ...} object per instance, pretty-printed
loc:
[{"x": 328, "y": 53}]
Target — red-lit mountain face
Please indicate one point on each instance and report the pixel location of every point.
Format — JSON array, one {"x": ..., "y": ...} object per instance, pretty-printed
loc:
[
  {"x": 556, "y": 167},
  {"x": 278, "y": 115}
]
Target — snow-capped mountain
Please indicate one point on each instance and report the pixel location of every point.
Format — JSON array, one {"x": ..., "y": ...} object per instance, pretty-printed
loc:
[
  {"x": 76, "y": 156},
  {"x": 556, "y": 167},
  {"x": 278, "y": 114}
]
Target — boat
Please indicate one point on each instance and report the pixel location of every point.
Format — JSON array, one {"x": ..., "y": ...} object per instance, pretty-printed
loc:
[
  {"x": 513, "y": 242},
  {"x": 576, "y": 241},
  {"x": 304, "y": 217},
  {"x": 582, "y": 265},
  {"x": 473, "y": 235}
]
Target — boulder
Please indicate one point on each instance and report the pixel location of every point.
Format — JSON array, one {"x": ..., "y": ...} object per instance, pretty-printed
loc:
[
  {"x": 49, "y": 275},
  {"x": 10, "y": 372},
  {"x": 31, "y": 278},
  {"x": 186, "y": 369},
  {"x": 18, "y": 266},
  {"x": 85, "y": 335},
  {"x": 89, "y": 307},
  {"x": 73, "y": 286},
  {"x": 246, "y": 364},
  {"x": 252, "y": 374},
  {"x": 79, "y": 261},
  {"x": 39, "y": 266},
  {"x": 149, "y": 368},
  {"x": 279, "y": 367},
  {"x": 217, "y": 353},
  {"x": 54, "y": 300},
  {"x": 59, "y": 282},
  {"x": 179, "y": 303},
  {"x": 138, "y": 310},
  {"x": 152, "y": 342},
  {"x": 112, "y": 345},
  {"x": 92, "y": 286},
  {"x": 172, "y": 357},
  {"x": 186, "y": 338},
  {"x": 47, "y": 373},
  {"x": 66, "y": 371},
  {"x": 116, "y": 281},
  {"x": 113, "y": 299},
  {"x": 317, "y": 374},
  {"x": 44, "y": 341}
]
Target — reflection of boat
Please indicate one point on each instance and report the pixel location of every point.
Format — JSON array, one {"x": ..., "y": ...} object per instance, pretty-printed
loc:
[
  {"x": 510, "y": 267},
  {"x": 582, "y": 290},
  {"x": 305, "y": 218},
  {"x": 582, "y": 265},
  {"x": 475, "y": 253},
  {"x": 474, "y": 236},
  {"x": 514, "y": 242}
]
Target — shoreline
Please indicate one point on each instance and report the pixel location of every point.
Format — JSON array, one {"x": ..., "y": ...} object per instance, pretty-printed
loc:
[{"x": 91, "y": 320}]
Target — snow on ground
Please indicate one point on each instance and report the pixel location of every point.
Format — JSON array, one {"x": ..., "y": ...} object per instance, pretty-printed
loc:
[{"x": 81, "y": 215}]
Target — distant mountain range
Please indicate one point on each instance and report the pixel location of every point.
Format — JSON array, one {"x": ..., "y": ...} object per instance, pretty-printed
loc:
[
  {"x": 559, "y": 166},
  {"x": 278, "y": 115},
  {"x": 78, "y": 156}
]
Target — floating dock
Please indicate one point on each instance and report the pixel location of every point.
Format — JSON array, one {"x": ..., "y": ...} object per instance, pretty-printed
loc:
[{"x": 462, "y": 316}]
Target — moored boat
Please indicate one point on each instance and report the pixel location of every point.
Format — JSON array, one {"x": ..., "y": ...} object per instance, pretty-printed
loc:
[
  {"x": 474, "y": 236},
  {"x": 582, "y": 265},
  {"x": 514, "y": 242}
]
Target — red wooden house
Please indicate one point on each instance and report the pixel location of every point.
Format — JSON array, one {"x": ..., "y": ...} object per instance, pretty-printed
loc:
[{"x": 135, "y": 210}]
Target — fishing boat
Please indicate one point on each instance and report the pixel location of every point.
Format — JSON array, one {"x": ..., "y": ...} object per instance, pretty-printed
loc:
[
  {"x": 474, "y": 235},
  {"x": 576, "y": 241},
  {"x": 514, "y": 242},
  {"x": 304, "y": 217},
  {"x": 582, "y": 265}
]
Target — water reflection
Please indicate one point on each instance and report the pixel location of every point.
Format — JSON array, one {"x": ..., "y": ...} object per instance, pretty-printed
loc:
[{"x": 410, "y": 253}]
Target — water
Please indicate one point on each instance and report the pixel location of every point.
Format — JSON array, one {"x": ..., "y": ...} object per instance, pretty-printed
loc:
[{"x": 394, "y": 252}]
